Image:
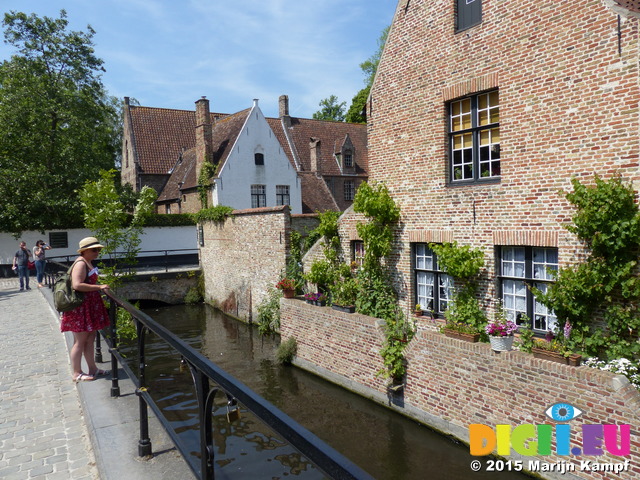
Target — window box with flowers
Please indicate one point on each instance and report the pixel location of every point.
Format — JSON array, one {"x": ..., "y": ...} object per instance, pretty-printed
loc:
[
  {"x": 318, "y": 299},
  {"x": 500, "y": 331},
  {"x": 288, "y": 287},
  {"x": 555, "y": 348},
  {"x": 462, "y": 331}
]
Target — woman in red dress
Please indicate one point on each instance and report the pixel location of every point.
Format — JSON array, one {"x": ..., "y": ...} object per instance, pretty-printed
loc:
[{"x": 90, "y": 316}]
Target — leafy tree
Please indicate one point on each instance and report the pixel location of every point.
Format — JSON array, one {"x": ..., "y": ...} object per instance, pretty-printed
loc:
[
  {"x": 59, "y": 128},
  {"x": 107, "y": 216},
  {"x": 331, "y": 110},
  {"x": 356, "y": 112},
  {"x": 369, "y": 68}
]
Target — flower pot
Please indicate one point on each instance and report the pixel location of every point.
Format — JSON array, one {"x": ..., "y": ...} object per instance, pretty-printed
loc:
[
  {"x": 418, "y": 313},
  {"x": 467, "y": 337},
  {"x": 289, "y": 293},
  {"x": 344, "y": 308},
  {"x": 320, "y": 303},
  {"x": 573, "y": 359},
  {"x": 501, "y": 344}
]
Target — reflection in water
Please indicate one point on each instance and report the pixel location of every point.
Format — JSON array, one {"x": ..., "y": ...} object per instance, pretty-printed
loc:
[{"x": 382, "y": 442}]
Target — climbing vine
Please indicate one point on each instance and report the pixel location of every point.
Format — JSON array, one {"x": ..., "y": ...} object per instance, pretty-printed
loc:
[
  {"x": 219, "y": 213},
  {"x": 605, "y": 289},
  {"x": 204, "y": 182},
  {"x": 376, "y": 295},
  {"x": 464, "y": 264}
]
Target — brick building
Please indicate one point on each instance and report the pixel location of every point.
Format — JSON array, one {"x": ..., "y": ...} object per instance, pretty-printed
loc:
[
  {"x": 165, "y": 149},
  {"x": 481, "y": 112}
]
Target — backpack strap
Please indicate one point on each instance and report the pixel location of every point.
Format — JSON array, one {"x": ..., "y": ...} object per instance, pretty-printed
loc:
[{"x": 73, "y": 265}]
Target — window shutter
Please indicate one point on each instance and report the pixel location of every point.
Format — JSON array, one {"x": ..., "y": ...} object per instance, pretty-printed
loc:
[{"x": 469, "y": 13}]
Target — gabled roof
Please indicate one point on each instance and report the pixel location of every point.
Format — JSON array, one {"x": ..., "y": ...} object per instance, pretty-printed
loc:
[
  {"x": 224, "y": 134},
  {"x": 182, "y": 174},
  {"x": 331, "y": 135},
  {"x": 161, "y": 134}
]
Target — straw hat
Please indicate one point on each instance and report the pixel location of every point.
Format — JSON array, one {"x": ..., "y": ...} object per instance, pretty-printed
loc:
[{"x": 87, "y": 243}]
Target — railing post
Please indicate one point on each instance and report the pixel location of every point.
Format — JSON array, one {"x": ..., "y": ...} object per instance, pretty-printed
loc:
[
  {"x": 205, "y": 412},
  {"x": 115, "y": 387},
  {"x": 144, "y": 443},
  {"x": 98, "y": 355}
]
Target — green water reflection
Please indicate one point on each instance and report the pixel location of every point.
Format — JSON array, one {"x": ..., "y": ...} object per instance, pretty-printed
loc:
[{"x": 383, "y": 443}]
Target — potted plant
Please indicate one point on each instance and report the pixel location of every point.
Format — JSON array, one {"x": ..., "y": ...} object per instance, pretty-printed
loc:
[
  {"x": 418, "y": 310},
  {"x": 288, "y": 287},
  {"x": 344, "y": 294},
  {"x": 462, "y": 331},
  {"x": 555, "y": 349},
  {"x": 500, "y": 331},
  {"x": 318, "y": 298}
]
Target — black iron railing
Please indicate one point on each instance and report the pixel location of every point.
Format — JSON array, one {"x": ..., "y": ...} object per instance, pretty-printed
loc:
[{"x": 209, "y": 380}]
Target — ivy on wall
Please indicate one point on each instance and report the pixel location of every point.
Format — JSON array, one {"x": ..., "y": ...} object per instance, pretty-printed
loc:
[{"x": 606, "y": 287}]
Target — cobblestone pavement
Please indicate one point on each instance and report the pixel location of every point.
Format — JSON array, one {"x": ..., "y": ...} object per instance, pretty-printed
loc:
[{"x": 43, "y": 432}]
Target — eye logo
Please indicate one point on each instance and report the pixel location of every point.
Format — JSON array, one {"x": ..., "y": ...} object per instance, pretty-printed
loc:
[{"x": 562, "y": 412}]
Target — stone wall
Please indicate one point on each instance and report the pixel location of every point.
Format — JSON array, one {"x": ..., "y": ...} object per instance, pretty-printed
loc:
[
  {"x": 169, "y": 287},
  {"x": 245, "y": 256},
  {"x": 451, "y": 384}
]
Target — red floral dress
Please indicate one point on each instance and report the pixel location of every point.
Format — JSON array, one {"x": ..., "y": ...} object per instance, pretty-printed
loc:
[{"x": 90, "y": 315}]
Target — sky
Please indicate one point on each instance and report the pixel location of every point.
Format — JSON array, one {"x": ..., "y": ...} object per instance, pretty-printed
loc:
[{"x": 169, "y": 53}]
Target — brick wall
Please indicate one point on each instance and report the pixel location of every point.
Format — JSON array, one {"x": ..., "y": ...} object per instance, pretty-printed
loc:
[
  {"x": 451, "y": 384},
  {"x": 567, "y": 81}
]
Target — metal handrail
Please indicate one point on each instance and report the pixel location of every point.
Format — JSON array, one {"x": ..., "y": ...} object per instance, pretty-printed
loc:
[
  {"x": 116, "y": 255},
  {"x": 203, "y": 371}
]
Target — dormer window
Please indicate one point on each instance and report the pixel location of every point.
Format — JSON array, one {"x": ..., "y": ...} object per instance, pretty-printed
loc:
[
  {"x": 259, "y": 158},
  {"x": 348, "y": 159}
]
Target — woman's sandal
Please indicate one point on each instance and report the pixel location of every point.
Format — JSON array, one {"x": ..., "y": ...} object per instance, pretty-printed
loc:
[
  {"x": 83, "y": 377},
  {"x": 100, "y": 372}
]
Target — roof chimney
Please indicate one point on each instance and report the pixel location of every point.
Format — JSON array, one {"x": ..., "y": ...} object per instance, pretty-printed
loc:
[
  {"x": 314, "y": 154},
  {"x": 204, "y": 135},
  {"x": 283, "y": 104}
]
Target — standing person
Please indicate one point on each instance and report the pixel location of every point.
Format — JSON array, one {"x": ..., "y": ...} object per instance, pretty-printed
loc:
[
  {"x": 20, "y": 262},
  {"x": 39, "y": 254},
  {"x": 91, "y": 316}
]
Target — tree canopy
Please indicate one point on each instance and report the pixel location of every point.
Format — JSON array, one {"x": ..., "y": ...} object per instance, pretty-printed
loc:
[
  {"x": 59, "y": 127},
  {"x": 331, "y": 110}
]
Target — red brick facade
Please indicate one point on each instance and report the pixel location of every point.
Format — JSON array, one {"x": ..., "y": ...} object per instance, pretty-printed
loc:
[{"x": 567, "y": 78}]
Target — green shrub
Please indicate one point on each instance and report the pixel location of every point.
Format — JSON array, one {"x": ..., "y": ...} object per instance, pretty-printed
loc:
[{"x": 286, "y": 351}]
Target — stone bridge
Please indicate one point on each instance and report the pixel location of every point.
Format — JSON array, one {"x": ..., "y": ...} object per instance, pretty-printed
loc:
[{"x": 167, "y": 287}]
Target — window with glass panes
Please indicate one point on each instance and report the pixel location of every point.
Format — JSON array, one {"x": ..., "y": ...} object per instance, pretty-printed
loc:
[
  {"x": 258, "y": 196},
  {"x": 434, "y": 288},
  {"x": 521, "y": 268},
  {"x": 474, "y": 136},
  {"x": 357, "y": 252},
  {"x": 349, "y": 190},
  {"x": 282, "y": 195}
]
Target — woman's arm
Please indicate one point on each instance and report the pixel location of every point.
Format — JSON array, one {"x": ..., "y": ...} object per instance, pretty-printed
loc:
[{"x": 78, "y": 279}]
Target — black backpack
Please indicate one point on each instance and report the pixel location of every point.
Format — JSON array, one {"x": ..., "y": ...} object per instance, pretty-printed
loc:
[{"x": 65, "y": 298}]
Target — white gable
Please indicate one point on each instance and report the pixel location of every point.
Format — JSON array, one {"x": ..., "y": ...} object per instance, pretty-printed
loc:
[{"x": 240, "y": 172}]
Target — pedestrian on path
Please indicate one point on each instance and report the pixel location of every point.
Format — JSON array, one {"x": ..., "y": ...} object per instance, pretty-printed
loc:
[
  {"x": 91, "y": 316},
  {"x": 21, "y": 263},
  {"x": 39, "y": 255}
]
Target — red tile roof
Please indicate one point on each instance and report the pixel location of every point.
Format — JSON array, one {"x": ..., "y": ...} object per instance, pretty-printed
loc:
[{"x": 160, "y": 135}]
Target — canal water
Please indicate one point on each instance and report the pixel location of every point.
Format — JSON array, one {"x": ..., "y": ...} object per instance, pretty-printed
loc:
[{"x": 385, "y": 444}]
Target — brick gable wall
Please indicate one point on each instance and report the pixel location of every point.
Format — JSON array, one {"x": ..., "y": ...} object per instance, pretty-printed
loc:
[{"x": 568, "y": 88}]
